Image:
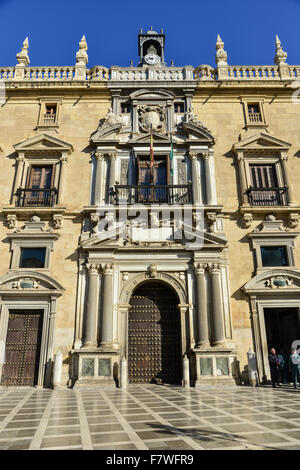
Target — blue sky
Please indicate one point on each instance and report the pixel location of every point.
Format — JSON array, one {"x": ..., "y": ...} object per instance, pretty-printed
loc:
[{"x": 55, "y": 28}]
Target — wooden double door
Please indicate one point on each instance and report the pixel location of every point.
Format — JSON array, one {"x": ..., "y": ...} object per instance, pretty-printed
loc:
[
  {"x": 154, "y": 336},
  {"x": 22, "y": 349}
]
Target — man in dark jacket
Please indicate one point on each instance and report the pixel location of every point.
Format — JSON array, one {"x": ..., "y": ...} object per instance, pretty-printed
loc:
[{"x": 274, "y": 367}]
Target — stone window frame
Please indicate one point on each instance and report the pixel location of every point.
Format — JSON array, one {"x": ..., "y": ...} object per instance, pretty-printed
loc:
[
  {"x": 16, "y": 246},
  {"x": 252, "y": 159},
  {"x": 276, "y": 158},
  {"x": 29, "y": 155},
  {"x": 269, "y": 241},
  {"x": 43, "y": 102},
  {"x": 260, "y": 103}
]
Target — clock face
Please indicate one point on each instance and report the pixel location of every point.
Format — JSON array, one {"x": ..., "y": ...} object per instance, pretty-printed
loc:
[{"x": 152, "y": 59}]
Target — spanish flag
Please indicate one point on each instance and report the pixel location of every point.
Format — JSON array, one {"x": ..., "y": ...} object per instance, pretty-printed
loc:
[{"x": 151, "y": 150}]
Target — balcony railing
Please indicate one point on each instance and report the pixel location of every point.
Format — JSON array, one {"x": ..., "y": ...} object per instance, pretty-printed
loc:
[
  {"x": 36, "y": 197},
  {"x": 49, "y": 119},
  {"x": 268, "y": 196},
  {"x": 255, "y": 117},
  {"x": 153, "y": 194}
]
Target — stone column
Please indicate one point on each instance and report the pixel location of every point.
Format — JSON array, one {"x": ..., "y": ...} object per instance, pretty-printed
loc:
[
  {"x": 201, "y": 311},
  {"x": 242, "y": 177},
  {"x": 90, "y": 340},
  {"x": 286, "y": 179},
  {"x": 98, "y": 178},
  {"x": 107, "y": 306},
  {"x": 195, "y": 181},
  {"x": 217, "y": 308},
  {"x": 63, "y": 161},
  {"x": 20, "y": 160}
]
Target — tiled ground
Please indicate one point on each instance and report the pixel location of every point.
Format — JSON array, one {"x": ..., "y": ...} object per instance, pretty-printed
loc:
[{"x": 150, "y": 417}]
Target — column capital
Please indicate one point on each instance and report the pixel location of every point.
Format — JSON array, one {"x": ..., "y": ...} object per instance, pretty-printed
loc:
[
  {"x": 200, "y": 268},
  {"x": 99, "y": 155},
  {"x": 284, "y": 157},
  {"x": 205, "y": 155},
  {"x": 214, "y": 268},
  {"x": 20, "y": 158},
  {"x": 193, "y": 155},
  {"x": 64, "y": 159},
  {"x": 93, "y": 268},
  {"x": 108, "y": 269},
  {"x": 240, "y": 157},
  {"x": 112, "y": 155}
]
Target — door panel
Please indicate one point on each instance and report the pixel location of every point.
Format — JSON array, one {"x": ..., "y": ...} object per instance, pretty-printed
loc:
[
  {"x": 154, "y": 336},
  {"x": 22, "y": 350}
]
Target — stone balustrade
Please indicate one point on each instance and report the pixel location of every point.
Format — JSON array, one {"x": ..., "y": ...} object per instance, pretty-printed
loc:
[{"x": 124, "y": 74}]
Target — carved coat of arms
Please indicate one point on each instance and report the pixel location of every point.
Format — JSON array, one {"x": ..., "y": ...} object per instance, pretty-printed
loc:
[{"x": 151, "y": 116}]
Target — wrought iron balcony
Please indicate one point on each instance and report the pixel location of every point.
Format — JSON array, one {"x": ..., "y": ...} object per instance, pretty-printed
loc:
[
  {"x": 153, "y": 194},
  {"x": 36, "y": 197},
  {"x": 268, "y": 196}
]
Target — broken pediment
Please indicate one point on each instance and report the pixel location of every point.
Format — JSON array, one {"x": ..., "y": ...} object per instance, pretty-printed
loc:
[
  {"x": 195, "y": 132},
  {"x": 158, "y": 237},
  {"x": 272, "y": 281},
  {"x": 261, "y": 141},
  {"x": 27, "y": 281},
  {"x": 106, "y": 132},
  {"x": 42, "y": 144}
]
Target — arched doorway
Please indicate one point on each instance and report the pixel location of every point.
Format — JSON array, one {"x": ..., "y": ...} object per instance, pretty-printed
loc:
[{"x": 154, "y": 335}]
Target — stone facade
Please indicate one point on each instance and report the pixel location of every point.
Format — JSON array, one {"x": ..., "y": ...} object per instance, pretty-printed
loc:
[{"x": 220, "y": 122}]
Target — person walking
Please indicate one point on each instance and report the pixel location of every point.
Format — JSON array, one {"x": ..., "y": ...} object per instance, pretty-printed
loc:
[
  {"x": 274, "y": 367},
  {"x": 295, "y": 367}
]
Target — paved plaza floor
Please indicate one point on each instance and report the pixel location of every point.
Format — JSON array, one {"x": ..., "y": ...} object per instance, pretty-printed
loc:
[{"x": 150, "y": 417}]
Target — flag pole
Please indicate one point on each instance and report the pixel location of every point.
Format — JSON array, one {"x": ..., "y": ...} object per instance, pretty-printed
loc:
[{"x": 151, "y": 160}]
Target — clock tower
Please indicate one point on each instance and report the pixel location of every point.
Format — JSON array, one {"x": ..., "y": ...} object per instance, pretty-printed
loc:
[{"x": 151, "y": 48}]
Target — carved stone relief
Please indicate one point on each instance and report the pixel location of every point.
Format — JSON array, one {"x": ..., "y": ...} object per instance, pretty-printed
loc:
[{"x": 151, "y": 116}]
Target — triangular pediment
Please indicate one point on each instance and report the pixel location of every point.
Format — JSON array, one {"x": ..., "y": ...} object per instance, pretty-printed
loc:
[
  {"x": 261, "y": 141},
  {"x": 42, "y": 143},
  {"x": 195, "y": 132}
]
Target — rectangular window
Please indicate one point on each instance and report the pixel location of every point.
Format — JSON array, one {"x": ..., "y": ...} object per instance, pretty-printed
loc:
[
  {"x": 40, "y": 177},
  {"x": 50, "y": 114},
  {"x": 274, "y": 256},
  {"x": 32, "y": 257},
  {"x": 254, "y": 113},
  {"x": 179, "y": 108},
  {"x": 263, "y": 176},
  {"x": 157, "y": 174},
  {"x": 125, "y": 108}
]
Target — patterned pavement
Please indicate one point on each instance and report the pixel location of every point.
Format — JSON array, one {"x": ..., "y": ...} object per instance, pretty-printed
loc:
[{"x": 150, "y": 417}]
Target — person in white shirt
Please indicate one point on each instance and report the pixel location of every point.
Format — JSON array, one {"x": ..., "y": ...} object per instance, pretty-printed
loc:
[{"x": 295, "y": 367}]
